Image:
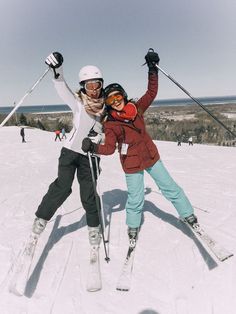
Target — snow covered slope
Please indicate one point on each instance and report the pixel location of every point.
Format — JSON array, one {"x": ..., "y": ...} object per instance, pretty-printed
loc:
[{"x": 173, "y": 273}]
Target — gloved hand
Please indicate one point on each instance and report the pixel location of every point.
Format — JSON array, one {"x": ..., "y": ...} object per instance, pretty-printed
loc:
[
  {"x": 88, "y": 145},
  {"x": 54, "y": 61},
  {"x": 95, "y": 137},
  {"x": 152, "y": 59}
]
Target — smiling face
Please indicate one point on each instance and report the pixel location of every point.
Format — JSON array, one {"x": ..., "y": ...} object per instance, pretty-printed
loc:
[
  {"x": 93, "y": 88},
  {"x": 115, "y": 100}
]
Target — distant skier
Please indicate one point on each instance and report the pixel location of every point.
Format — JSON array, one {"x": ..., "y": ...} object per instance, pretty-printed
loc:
[
  {"x": 57, "y": 133},
  {"x": 63, "y": 132},
  {"x": 190, "y": 141},
  {"x": 179, "y": 141},
  {"x": 125, "y": 126},
  {"x": 22, "y": 133}
]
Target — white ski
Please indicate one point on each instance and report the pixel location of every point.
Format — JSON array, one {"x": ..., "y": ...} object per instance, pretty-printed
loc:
[
  {"x": 220, "y": 252},
  {"x": 124, "y": 281},
  {"x": 94, "y": 281},
  {"x": 21, "y": 267}
]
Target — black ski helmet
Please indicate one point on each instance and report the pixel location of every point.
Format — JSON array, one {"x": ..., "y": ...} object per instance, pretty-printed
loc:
[{"x": 113, "y": 88}]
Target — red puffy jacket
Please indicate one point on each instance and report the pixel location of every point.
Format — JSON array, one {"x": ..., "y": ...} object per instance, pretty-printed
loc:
[{"x": 142, "y": 152}]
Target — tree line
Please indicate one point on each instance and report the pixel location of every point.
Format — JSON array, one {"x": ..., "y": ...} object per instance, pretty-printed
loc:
[
  {"x": 202, "y": 128},
  {"x": 47, "y": 122}
]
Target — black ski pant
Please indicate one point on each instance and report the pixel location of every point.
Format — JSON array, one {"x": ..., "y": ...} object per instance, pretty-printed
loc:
[
  {"x": 70, "y": 163},
  {"x": 57, "y": 137}
]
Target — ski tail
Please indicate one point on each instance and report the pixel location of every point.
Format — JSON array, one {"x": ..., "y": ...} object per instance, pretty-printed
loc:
[
  {"x": 94, "y": 281},
  {"x": 218, "y": 250},
  {"x": 125, "y": 278},
  {"x": 22, "y": 266},
  {"x": 124, "y": 281}
]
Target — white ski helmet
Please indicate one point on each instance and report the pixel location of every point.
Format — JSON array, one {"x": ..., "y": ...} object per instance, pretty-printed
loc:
[{"x": 89, "y": 72}]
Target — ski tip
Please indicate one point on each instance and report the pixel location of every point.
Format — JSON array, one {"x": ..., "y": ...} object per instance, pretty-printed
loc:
[
  {"x": 122, "y": 289},
  {"x": 94, "y": 289},
  {"x": 14, "y": 291},
  {"x": 226, "y": 257}
]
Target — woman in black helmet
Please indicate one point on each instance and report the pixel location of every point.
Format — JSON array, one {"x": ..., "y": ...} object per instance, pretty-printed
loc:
[{"x": 125, "y": 125}]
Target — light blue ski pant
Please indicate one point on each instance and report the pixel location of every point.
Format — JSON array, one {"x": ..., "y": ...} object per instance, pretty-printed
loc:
[{"x": 167, "y": 186}]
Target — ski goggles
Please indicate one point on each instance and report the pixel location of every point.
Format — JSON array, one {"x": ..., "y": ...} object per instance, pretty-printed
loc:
[
  {"x": 93, "y": 85},
  {"x": 111, "y": 100}
]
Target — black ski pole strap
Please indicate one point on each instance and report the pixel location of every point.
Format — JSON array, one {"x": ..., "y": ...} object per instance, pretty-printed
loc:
[{"x": 56, "y": 75}]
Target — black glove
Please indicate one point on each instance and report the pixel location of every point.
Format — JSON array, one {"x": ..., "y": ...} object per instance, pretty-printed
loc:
[
  {"x": 54, "y": 61},
  {"x": 152, "y": 59},
  {"x": 88, "y": 145}
]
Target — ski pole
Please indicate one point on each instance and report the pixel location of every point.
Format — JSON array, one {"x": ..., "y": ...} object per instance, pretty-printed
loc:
[
  {"x": 101, "y": 201},
  {"x": 194, "y": 99},
  {"x": 107, "y": 259},
  {"x": 23, "y": 98}
]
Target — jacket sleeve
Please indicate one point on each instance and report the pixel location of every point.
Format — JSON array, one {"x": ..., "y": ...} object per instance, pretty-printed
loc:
[
  {"x": 65, "y": 92},
  {"x": 145, "y": 101},
  {"x": 109, "y": 146}
]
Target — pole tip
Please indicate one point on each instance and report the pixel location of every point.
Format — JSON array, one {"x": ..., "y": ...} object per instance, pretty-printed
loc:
[{"x": 107, "y": 259}]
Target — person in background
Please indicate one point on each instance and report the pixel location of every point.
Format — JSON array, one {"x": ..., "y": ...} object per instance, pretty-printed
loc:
[
  {"x": 190, "y": 141},
  {"x": 179, "y": 140},
  {"x": 125, "y": 126},
  {"x": 57, "y": 132},
  {"x": 63, "y": 132},
  {"x": 22, "y": 133},
  {"x": 87, "y": 105}
]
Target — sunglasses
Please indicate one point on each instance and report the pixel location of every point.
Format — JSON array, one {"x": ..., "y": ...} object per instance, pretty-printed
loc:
[
  {"x": 93, "y": 85},
  {"x": 111, "y": 100}
]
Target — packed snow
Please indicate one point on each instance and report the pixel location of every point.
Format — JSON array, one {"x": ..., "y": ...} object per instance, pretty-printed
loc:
[{"x": 173, "y": 273}]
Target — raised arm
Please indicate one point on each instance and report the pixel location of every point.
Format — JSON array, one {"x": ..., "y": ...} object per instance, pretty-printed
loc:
[
  {"x": 145, "y": 101},
  {"x": 54, "y": 61}
]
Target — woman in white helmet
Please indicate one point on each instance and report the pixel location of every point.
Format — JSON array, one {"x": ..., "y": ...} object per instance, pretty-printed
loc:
[{"x": 87, "y": 106}]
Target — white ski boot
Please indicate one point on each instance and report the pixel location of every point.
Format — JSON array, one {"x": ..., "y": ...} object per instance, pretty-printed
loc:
[
  {"x": 39, "y": 225},
  {"x": 95, "y": 235},
  {"x": 133, "y": 236},
  {"x": 192, "y": 220}
]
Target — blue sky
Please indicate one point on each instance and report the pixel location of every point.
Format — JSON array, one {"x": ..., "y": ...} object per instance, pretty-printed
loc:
[{"x": 196, "y": 42}]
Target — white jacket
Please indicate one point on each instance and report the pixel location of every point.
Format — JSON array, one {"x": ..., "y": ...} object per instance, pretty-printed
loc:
[{"x": 82, "y": 121}]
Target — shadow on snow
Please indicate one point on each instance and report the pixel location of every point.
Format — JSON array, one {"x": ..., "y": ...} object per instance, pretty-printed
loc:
[{"x": 114, "y": 201}]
